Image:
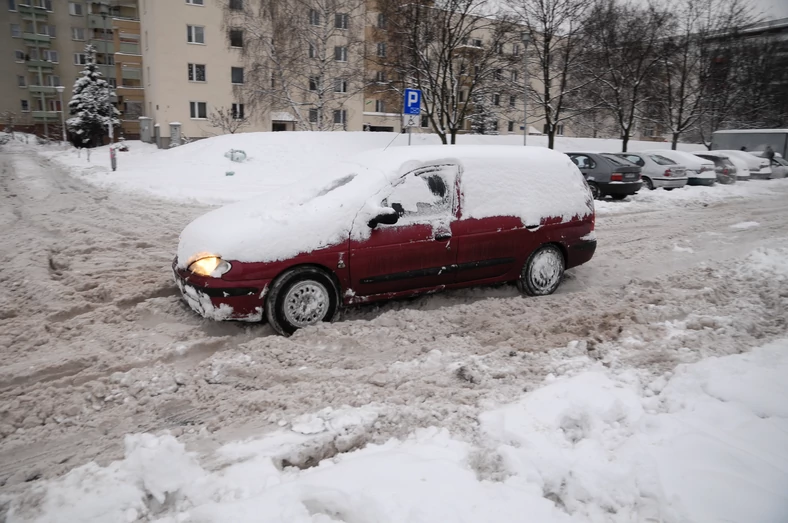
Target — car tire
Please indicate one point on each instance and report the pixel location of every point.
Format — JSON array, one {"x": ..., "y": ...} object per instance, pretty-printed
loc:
[
  {"x": 542, "y": 272},
  {"x": 596, "y": 192},
  {"x": 648, "y": 183},
  {"x": 618, "y": 196},
  {"x": 669, "y": 188},
  {"x": 301, "y": 297}
]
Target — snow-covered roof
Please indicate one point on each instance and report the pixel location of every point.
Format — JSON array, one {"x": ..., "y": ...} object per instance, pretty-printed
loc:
[{"x": 327, "y": 209}]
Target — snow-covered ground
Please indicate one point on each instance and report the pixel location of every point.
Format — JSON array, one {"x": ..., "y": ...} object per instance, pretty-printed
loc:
[{"x": 651, "y": 387}]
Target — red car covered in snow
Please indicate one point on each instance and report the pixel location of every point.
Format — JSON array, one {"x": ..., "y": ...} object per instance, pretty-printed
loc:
[{"x": 389, "y": 224}]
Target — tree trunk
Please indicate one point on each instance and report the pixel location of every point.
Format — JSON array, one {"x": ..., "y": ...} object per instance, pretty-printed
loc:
[
  {"x": 453, "y": 136},
  {"x": 675, "y": 141},
  {"x": 551, "y": 138},
  {"x": 624, "y": 141},
  {"x": 442, "y": 134}
]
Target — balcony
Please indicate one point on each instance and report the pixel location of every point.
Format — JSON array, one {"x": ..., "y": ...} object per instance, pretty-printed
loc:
[
  {"x": 42, "y": 89},
  {"x": 128, "y": 73},
  {"x": 126, "y": 48},
  {"x": 128, "y": 59},
  {"x": 36, "y": 40},
  {"x": 33, "y": 65},
  {"x": 130, "y": 93},
  {"x": 47, "y": 115},
  {"x": 30, "y": 10},
  {"x": 103, "y": 46},
  {"x": 107, "y": 70},
  {"x": 97, "y": 22}
]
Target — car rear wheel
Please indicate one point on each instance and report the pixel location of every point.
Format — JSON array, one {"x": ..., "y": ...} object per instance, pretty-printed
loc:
[
  {"x": 596, "y": 193},
  {"x": 299, "y": 298},
  {"x": 543, "y": 271},
  {"x": 648, "y": 183},
  {"x": 618, "y": 196}
]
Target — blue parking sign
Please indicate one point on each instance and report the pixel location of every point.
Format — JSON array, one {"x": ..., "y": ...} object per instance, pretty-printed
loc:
[{"x": 412, "y": 101}]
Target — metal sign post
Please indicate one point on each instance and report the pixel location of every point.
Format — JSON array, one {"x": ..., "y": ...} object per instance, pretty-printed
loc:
[{"x": 411, "y": 110}]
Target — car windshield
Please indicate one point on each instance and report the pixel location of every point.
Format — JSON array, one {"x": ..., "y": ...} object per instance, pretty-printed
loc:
[
  {"x": 780, "y": 161},
  {"x": 661, "y": 160},
  {"x": 617, "y": 160}
]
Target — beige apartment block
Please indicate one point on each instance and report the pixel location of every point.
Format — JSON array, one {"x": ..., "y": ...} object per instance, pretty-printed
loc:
[{"x": 43, "y": 44}]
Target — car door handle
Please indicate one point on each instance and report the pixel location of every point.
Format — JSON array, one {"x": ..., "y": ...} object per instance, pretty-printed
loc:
[
  {"x": 531, "y": 227},
  {"x": 442, "y": 236}
]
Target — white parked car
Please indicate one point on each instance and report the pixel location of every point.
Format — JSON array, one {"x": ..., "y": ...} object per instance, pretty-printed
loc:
[
  {"x": 759, "y": 167},
  {"x": 700, "y": 171},
  {"x": 742, "y": 166},
  {"x": 723, "y": 166},
  {"x": 657, "y": 170},
  {"x": 779, "y": 165}
]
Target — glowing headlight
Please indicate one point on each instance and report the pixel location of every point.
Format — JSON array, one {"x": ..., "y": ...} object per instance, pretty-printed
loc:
[{"x": 210, "y": 266}]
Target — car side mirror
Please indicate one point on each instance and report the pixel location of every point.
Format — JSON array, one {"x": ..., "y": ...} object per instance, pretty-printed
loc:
[{"x": 387, "y": 217}]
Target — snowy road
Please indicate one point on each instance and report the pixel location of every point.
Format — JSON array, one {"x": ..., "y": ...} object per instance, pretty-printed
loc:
[{"x": 96, "y": 343}]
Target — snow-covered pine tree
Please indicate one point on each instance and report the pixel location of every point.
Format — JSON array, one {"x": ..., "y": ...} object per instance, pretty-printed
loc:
[
  {"x": 89, "y": 106},
  {"x": 484, "y": 119}
]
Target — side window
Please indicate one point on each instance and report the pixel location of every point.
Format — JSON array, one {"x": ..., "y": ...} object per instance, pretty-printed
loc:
[
  {"x": 635, "y": 159},
  {"x": 583, "y": 162},
  {"x": 424, "y": 195}
]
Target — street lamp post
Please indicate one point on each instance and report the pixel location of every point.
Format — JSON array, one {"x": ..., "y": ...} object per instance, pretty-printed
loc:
[
  {"x": 526, "y": 37},
  {"x": 104, "y": 14},
  {"x": 60, "y": 90}
]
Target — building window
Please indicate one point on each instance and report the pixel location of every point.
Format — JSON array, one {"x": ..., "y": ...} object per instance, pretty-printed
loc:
[
  {"x": 425, "y": 121},
  {"x": 25, "y": 106},
  {"x": 313, "y": 115},
  {"x": 314, "y": 82},
  {"x": 113, "y": 82},
  {"x": 382, "y": 49},
  {"x": 21, "y": 81},
  {"x": 236, "y": 38},
  {"x": 238, "y": 111},
  {"x": 462, "y": 96},
  {"x": 194, "y": 2},
  {"x": 51, "y": 56},
  {"x": 237, "y": 75},
  {"x": 496, "y": 99},
  {"x": 494, "y": 125},
  {"x": 19, "y": 56},
  {"x": 380, "y": 77},
  {"x": 195, "y": 34},
  {"x": 75, "y": 9},
  {"x": 380, "y": 106},
  {"x": 498, "y": 75},
  {"x": 77, "y": 33},
  {"x": 511, "y": 127},
  {"x": 51, "y": 30},
  {"x": 196, "y": 72},
  {"x": 16, "y": 32},
  {"x": 512, "y": 101},
  {"x": 33, "y": 54},
  {"x": 341, "y": 20},
  {"x": 54, "y": 105},
  {"x": 516, "y": 50},
  {"x": 198, "y": 110},
  {"x": 11, "y": 5},
  {"x": 559, "y": 129},
  {"x": 236, "y": 5},
  {"x": 314, "y": 17},
  {"x": 340, "y": 54},
  {"x": 340, "y": 85},
  {"x": 476, "y": 42},
  {"x": 382, "y": 22},
  {"x": 311, "y": 51},
  {"x": 515, "y": 76},
  {"x": 80, "y": 58},
  {"x": 499, "y": 48},
  {"x": 340, "y": 116}
]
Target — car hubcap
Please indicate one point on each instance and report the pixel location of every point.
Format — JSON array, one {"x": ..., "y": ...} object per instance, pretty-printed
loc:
[
  {"x": 306, "y": 303},
  {"x": 594, "y": 191},
  {"x": 546, "y": 269}
]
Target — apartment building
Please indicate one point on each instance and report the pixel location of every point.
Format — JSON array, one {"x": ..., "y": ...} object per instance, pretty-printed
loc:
[{"x": 43, "y": 44}]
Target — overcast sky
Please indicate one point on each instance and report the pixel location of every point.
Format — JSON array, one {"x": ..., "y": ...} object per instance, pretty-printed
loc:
[{"x": 772, "y": 8}]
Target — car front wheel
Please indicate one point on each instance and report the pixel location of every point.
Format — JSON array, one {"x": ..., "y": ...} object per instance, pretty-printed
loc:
[
  {"x": 299, "y": 298},
  {"x": 596, "y": 193},
  {"x": 543, "y": 271},
  {"x": 648, "y": 183}
]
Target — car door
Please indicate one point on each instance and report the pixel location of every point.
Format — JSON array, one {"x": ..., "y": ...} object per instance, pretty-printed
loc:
[{"x": 418, "y": 251}]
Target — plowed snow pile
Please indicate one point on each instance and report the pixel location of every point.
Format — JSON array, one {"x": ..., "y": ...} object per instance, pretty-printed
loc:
[{"x": 651, "y": 387}]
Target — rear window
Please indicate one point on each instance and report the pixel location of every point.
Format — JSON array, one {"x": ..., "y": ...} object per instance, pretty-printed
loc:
[
  {"x": 661, "y": 160},
  {"x": 617, "y": 160}
]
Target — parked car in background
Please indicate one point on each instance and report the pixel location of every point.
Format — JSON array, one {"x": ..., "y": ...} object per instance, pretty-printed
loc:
[
  {"x": 742, "y": 166},
  {"x": 759, "y": 167},
  {"x": 723, "y": 166},
  {"x": 700, "y": 171},
  {"x": 752, "y": 139},
  {"x": 389, "y": 224},
  {"x": 778, "y": 164},
  {"x": 607, "y": 174},
  {"x": 657, "y": 170}
]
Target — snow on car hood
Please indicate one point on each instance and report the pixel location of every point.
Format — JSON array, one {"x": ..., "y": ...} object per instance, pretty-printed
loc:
[{"x": 284, "y": 223}]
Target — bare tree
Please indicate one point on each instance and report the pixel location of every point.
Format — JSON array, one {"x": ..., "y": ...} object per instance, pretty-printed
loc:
[
  {"x": 622, "y": 45},
  {"x": 455, "y": 52},
  {"x": 303, "y": 57},
  {"x": 555, "y": 28},
  {"x": 229, "y": 120}
]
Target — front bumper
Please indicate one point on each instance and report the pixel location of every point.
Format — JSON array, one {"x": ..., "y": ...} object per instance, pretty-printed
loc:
[
  {"x": 580, "y": 252},
  {"x": 756, "y": 175},
  {"x": 217, "y": 299}
]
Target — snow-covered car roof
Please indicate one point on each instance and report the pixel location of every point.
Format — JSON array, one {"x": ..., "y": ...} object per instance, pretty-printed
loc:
[{"x": 531, "y": 183}]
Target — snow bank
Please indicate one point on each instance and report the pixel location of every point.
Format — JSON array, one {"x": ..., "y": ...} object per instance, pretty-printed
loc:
[
  {"x": 196, "y": 171},
  {"x": 703, "y": 443}
]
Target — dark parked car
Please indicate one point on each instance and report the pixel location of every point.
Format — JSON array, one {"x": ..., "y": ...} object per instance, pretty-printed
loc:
[
  {"x": 388, "y": 224},
  {"x": 607, "y": 174}
]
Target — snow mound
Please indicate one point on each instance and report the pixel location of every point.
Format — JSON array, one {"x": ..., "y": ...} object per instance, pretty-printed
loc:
[
  {"x": 703, "y": 443},
  {"x": 745, "y": 225}
]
